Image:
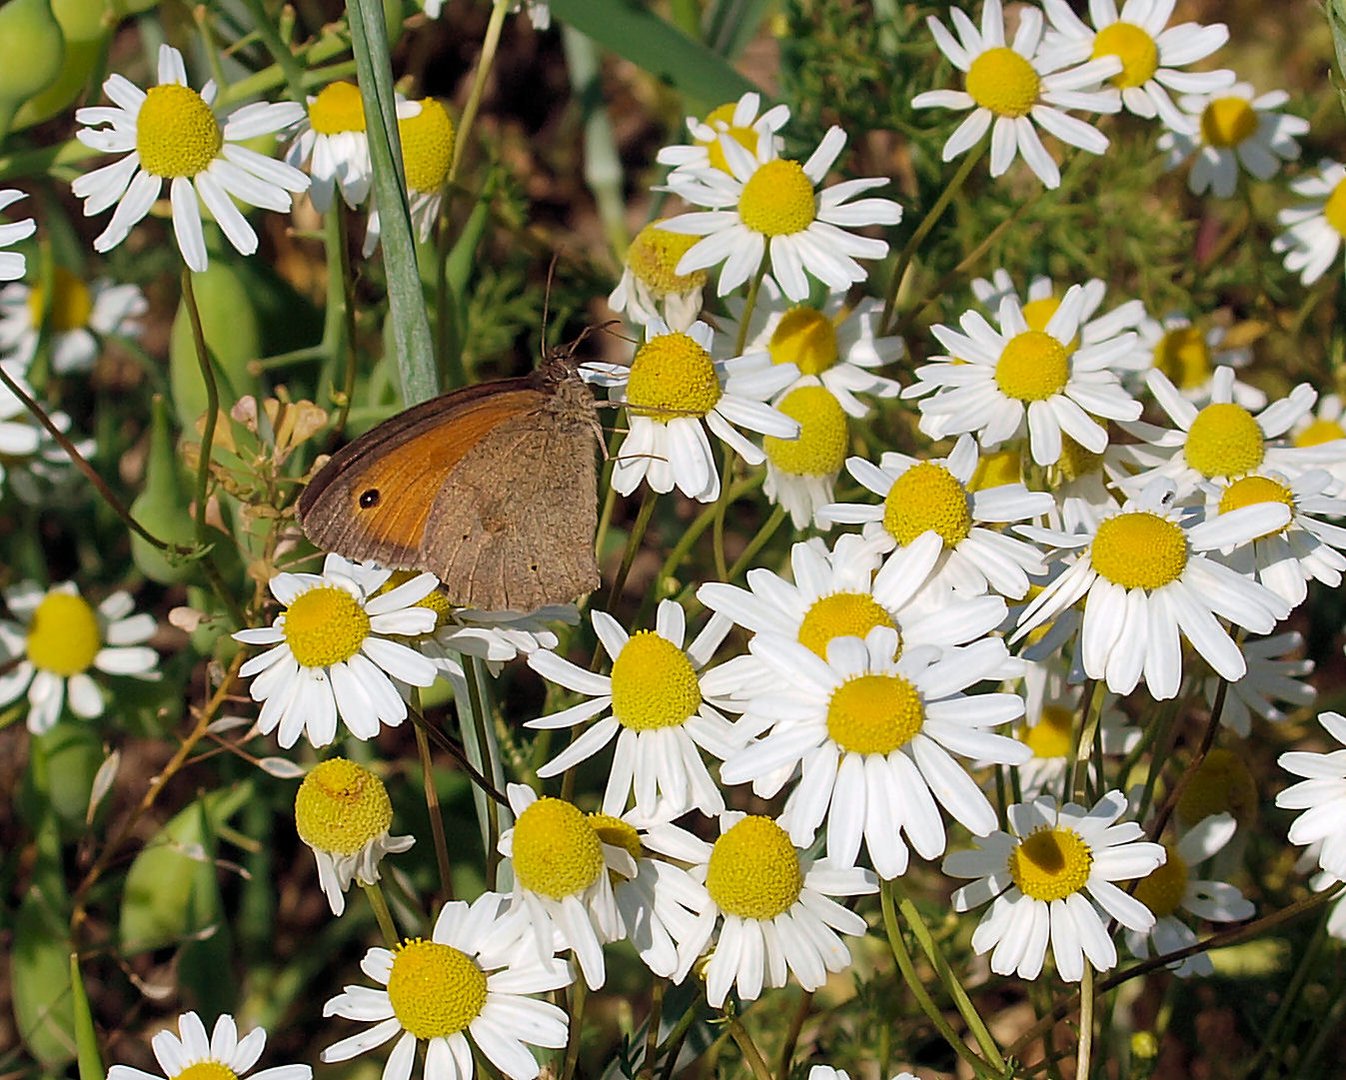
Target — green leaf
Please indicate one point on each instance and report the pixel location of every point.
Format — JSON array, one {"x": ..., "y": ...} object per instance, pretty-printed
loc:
[
  {"x": 39, "y": 967},
  {"x": 86, "y": 1041}
]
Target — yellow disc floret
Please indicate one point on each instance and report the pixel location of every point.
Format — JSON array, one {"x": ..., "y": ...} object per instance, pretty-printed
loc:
[
  {"x": 1335, "y": 208},
  {"x": 1182, "y": 355},
  {"x": 1225, "y": 440},
  {"x": 437, "y": 600},
  {"x": 754, "y": 870},
  {"x": 1163, "y": 889},
  {"x": 995, "y": 468},
  {"x": 1038, "y": 313},
  {"x": 1319, "y": 432},
  {"x": 722, "y": 120},
  {"x": 1139, "y": 550},
  {"x": 176, "y": 132},
  {"x": 806, "y": 338},
  {"x": 1004, "y": 82},
  {"x": 326, "y": 625},
  {"x": 1033, "y": 366},
  {"x": 207, "y": 1070},
  {"x": 1051, "y": 864},
  {"x": 1138, "y": 52},
  {"x": 653, "y": 258},
  {"x": 672, "y": 376},
  {"x": 336, "y": 109},
  {"x": 778, "y": 199},
  {"x": 71, "y": 303},
  {"x": 341, "y": 807},
  {"x": 1252, "y": 490},
  {"x": 556, "y": 851},
  {"x": 1053, "y": 736},
  {"x": 841, "y": 615},
  {"x": 427, "y": 146},
  {"x": 63, "y": 636},
  {"x": 1076, "y": 461},
  {"x": 875, "y": 714},
  {"x": 820, "y": 449},
  {"x": 1227, "y": 121},
  {"x": 435, "y": 990},
  {"x": 653, "y": 684},
  {"x": 927, "y": 497},
  {"x": 615, "y": 832},
  {"x": 1222, "y": 783}
]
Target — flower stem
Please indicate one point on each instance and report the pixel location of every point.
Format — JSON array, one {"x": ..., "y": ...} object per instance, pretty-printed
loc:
[
  {"x": 1079, "y": 762},
  {"x": 489, "y": 44},
  {"x": 752, "y": 1057},
  {"x": 337, "y": 238},
  {"x": 652, "y": 1022},
  {"x": 579, "y": 995},
  {"x": 759, "y": 540},
  {"x": 1086, "y": 1045},
  {"x": 432, "y": 808},
  {"x": 633, "y": 542},
  {"x": 384, "y": 917}
]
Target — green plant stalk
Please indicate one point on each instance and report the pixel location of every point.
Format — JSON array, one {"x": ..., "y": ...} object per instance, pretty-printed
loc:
[
  {"x": 758, "y": 541},
  {"x": 489, "y": 44},
  {"x": 338, "y": 230},
  {"x": 1290, "y": 996},
  {"x": 579, "y": 997},
  {"x": 265, "y": 25},
  {"x": 436, "y": 816},
  {"x": 1079, "y": 761},
  {"x": 1084, "y": 1051},
  {"x": 487, "y": 760},
  {"x": 1207, "y": 741},
  {"x": 787, "y": 1052},
  {"x": 651, "y": 1028},
  {"x": 86, "y": 1039},
  {"x": 374, "y": 894},
  {"x": 752, "y": 1057},
  {"x": 633, "y": 541}
]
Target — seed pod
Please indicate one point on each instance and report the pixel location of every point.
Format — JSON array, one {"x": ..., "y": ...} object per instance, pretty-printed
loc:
[
  {"x": 163, "y": 506},
  {"x": 31, "y": 50},
  {"x": 86, "y": 25}
]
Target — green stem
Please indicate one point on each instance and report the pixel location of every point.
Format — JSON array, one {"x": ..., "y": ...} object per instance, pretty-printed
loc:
[
  {"x": 1085, "y": 1051},
  {"x": 579, "y": 996},
  {"x": 721, "y": 509},
  {"x": 787, "y": 1052},
  {"x": 633, "y": 542},
  {"x": 488, "y": 764},
  {"x": 752, "y": 1057},
  {"x": 1290, "y": 996},
  {"x": 489, "y": 44},
  {"x": 343, "y": 267},
  {"x": 759, "y": 541},
  {"x": 436, "y": 817},
  {"x": 212, "y": 406},
  {"x": 1207, "y": 741},
  {"x": 384, "y": 917},
  {"x": 1079, "y": 761},
  {"x": 652, "y": 1028},
  {"x": 265, "y": 25}
]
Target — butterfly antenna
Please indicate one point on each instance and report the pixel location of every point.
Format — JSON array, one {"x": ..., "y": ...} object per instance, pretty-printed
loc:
[{"x": 546, "y": 304}]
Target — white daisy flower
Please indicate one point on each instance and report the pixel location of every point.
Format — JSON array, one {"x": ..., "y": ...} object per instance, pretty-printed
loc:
[
  {"x": 1321, "y": 795},
  {"x": 1173, "y": 887},
  {"x": 31, "y": 461},
  {"x": 741, "y": 121},
  {"x": 12, "y": 263},
  {"x": 1314, "y": 229},
  {"x": 1231, "y": 129},
  {"x": 934, "y": 525},
  {"x": 465, "y": 991},
  {"x": 332, "y": 143},
  {"x": 1324, "y": 425},
  {"x": 769, "y": 209},
  {"x": 332, "y": 653},
  {"x": 1149, "y": 49},
  {"x": 426, "y": 133},
  {"x": 77, "y": 317},
  {"x": 221, "y": 1053},
  {"x": 772, "y": 905},
  {"x": 563, "y": 880},
  {"x": 58, "y": 644},
  {"x": 1271, "y": 677},
  {"x": 1190, "y": 358},
  {"x": 653, "y": 705},
  {"x": 650, "y": 287},
  {"x": 1015, "y": 86},
  {"x": 343, "y": 813},
  {"x": 1146, "y": 575},
  {"x": 801, "y": 472},
  {"x": 171, "y": 132},
  {"x": 673, "y": 392},
  {"x": 1308, "y": 548},
  {"x": 873, "y": 738},
  {"x": 1002, "y": 384},
  {"x": 1051, "y": 881}
]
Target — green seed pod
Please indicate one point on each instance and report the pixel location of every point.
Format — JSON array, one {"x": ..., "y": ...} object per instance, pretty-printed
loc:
[
  {"x": 233, "y": 337},
  {"x": 164, "y": 506},
  {"x": 86, "y": 25},
  {"x": 31, "y": 50}
]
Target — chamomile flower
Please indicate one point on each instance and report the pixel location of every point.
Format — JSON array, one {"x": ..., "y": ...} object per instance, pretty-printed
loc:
[
  {"x": 1230, "y": 129},
  {"x": 332, "y": 143},
  {"x": 171, "y": 132},
  {"x": 743, "y": 121},
  {"x": 652, "y": 704},
  {"x": 1321, "y": 427},
  {"x": 874, "y": 739},
  {"x": 343, "y": 813},
  {"x": 1190, "y": 357},
  {"x": 58, "y": 644},
  {"x": 30, "y": 459},
  {"x": 191, "y": 1054},
  {"x": 935, "y": 526},
  {"x": 1272, "y": 676},
  {"x": 1173, "y": 887},
  {"x": 673, "y": 392},
  {"x": 1321, "y": 795},
  {"x": 427, "y": 135},
  {"x": 1145, "y": 575},
  {"x": 650, "y": 287},
  {"x": 1314, "y": 229},
  {"x": 1220, "y": 783},
  {"x": 769, "y": 209},
  {"x": 563, "y": 880},
  {"x": 1150, "y": 51},
  {"x": 77, "y": 316},
  {"x": 1001, "y": 384},
  {"x": 332, "y": 652},
  {"x": 465, "y": 991},
  {"x": 771, "y": 903},
  {"x": 1012, "y": 87},
  {"x": 800, "y": 472},
  {"x": 12, "y": 263},
  {"x": 1051, "y": 881}
]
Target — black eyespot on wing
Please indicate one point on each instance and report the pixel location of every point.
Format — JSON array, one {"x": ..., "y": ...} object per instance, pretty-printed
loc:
[{"x": 369, "y": 498}]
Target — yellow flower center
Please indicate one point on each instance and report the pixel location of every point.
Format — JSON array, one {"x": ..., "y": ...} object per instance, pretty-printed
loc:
[
  {"x": 341, "y": 807},
  {"x": 1224, "y": 440},
  {"x": 1053, "y": 735},
  {"x": 1138, "y": 52},
  {"x": 820, "y": 449},
  {"x": 1004, "y": 82},
  {"x": 995, "y": 468},
  {"x": 71, "y": 303},
  {"x": 556, "y": 851},
  {"x": 672, "y": 376},
  {"x": 754, "y": 870},
  {"x": 207, "y": 1070},
  {"x": 176, "y": 132},
  {"x": 1183, "y": 356},
  {"x": 427, "y": 146},
  {"x": 63, "y": 636},
  {"x": 804, "y": 337},
  {"x": 1227, "y": 121},
  {"x": 1038, "y": 313},
  {"x": 1221, "y": 784},
  {"x": 653, "y": 684},
  {"x": 875, "y": 714},
  {"x": 437, "y": 600},
  {"x": 778, "y": 199},
  {"x": 618, "y": 833},
  {"x": 1252, "y": 490},
  {"x": 841, "y": 615},
  {"x": 1164, "y": 887},
  {"x": 1075, "y": 461},
  {"x": 1335, "y": 208},
  {"x": 1319, "y": 432},
  {"x": 435, "y": 990},
  {"x": 1051, "y": 864},
  {"x": 653, "y": 258},
  {"x": 1033, "y": 366},
  {"x": 1139, "y": 550},
  {"x": 324, "y": 626},
  {"x": 336, "y": 109},
  {"x": 721, "y": 119},
  {"x": 924, "y": 498}
]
